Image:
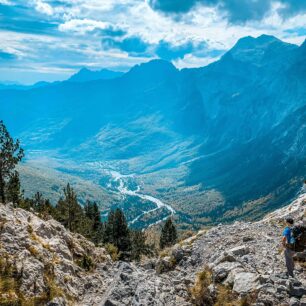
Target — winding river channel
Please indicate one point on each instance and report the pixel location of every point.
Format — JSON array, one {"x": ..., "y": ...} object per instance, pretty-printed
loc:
[{"x": 123, "y": 189}]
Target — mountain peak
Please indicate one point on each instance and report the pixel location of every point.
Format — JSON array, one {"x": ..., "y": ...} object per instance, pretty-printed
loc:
[
  {"x": 267, "y": 38},
  {"x": 256, "y": 49},
  {"x": 86, "y": 75},
  {"x": 156, "y": 67},
  {"x": 262, "y": 41},
  {"x": 155, "y": 64}
]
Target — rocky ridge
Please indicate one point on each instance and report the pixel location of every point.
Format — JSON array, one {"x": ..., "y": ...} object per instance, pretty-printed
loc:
[{"x": 46, "y": 263}]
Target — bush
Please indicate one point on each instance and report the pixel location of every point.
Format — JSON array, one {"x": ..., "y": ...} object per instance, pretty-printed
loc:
[
  {"x": 200, "y": 292},
  {"x": 8, "y": 283},
  {"x": 222, "y": 295},
  {"x": 86, "y": 263},
  {"x": 113, "y": 251}
]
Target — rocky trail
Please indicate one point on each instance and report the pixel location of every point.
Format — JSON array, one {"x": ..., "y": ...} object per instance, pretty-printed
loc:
[{"x": 243, "y": 257}]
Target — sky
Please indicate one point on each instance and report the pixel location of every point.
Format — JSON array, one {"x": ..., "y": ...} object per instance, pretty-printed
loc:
[{"x": 48, "y": 40}]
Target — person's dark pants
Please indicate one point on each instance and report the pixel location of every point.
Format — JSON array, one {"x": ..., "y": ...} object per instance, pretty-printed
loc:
[{"x": 289, "y": 261}]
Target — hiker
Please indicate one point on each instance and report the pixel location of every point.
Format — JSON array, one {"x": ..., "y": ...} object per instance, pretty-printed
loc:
[
  {"x": 304, "y": 187},
  {"x": 288, "y": 243}
]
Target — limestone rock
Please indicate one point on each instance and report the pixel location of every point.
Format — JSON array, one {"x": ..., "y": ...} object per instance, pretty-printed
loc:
[
  {"x": 242, "y": 256},
  {"x": 239, "y": 250},
  {"x": 245, "y": 282}
]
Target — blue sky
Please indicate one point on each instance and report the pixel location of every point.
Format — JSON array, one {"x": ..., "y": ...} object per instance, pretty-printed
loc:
[{"x": 51, "y": 39}]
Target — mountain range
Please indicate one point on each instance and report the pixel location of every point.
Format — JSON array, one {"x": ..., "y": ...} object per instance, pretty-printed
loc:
[{"x": 215, "y": 143}]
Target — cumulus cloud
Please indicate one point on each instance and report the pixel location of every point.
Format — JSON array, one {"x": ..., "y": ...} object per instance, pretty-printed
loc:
[
  {"x": 235, "y": 11},
  {"x": 173, "y": 6},
  {"x": 133, "y": 45},
  {"x": 167, "y": 51},
  {"x": 44, "y": 7},
  {"x": 68, "y": 34},
  {"x": 163, "y": 49},
  {"x": 292, "y": 7},
  {"x": 83, "y": 25}
]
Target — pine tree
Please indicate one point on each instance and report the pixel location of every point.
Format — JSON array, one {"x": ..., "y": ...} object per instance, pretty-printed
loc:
[
  {"x": 10, "y": 155},
  {"x": 42, "y": 206},
  {"x": 38, "y": 202},
  {"x": 48, "y": 209},
  {"x": 13, "y": 191},
  {"x": 168, "y": 235},
  {"x": 92, "y": 212},
  {"x": 88, "y": 209},
  {"x": 139, "y": 245},
  {"x": 109, "y": 228},
  {"x": 117, "y": 232},
  {"x": 96, "y": 217},
  {"x": 69, "y": 212}
]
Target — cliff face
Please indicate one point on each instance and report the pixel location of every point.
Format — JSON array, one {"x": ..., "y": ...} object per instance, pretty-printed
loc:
[
  {"x": 40, "y": 260},
  {"x": 239, "y": 263}
]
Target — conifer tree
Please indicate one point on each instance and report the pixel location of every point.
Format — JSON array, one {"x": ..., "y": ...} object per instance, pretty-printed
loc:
[
  {"x": 109, "y": 228},
  {"x": 69, "y": 212},
  {"x": 13, "y": 191},
  {"x": 168, "y": 235},
  {"x": 95, "y": 217},
  {"x": 88, "y": 209},
  {"x": 48, "y": 209},
  {"x": 92, "y": 212},
  {"x": 10, "y": 155},
  {"x": 117, "y": 232},
  {"x": 38, "y": 202},
  {"x": 139, "y": 245}
]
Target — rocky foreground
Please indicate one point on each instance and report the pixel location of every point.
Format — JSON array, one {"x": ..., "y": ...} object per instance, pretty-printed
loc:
[{"x": 41, "y": 263}]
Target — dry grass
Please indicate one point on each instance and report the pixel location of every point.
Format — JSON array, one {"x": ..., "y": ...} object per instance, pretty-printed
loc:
[
  {"x": 8, "y": 282},
  {"x": 33, "y": 251},
  {"x": 222, "y": 296},
  {"x": 200, "y": 292},
  {"x": 165, "y": 252},
  {"x": 113, "y": 251},
  {"x": 186, "y": 234},
  {"x": 36, "y": 238}
]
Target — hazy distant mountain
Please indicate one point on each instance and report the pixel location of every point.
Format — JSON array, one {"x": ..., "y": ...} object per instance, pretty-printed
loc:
[
  {"x": 85, "y": 75},
  {"x": 215, "y": 143},
  {"x": 11, "y": 85}
]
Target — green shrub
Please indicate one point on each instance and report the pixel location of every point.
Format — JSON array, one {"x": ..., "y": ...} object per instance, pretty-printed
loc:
[
  {"x": 113, "y": 251},
  {"x": 86, "y": 263}
]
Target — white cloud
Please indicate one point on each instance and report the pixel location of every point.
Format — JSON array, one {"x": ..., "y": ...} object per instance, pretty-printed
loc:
[
  {"x": 191, "y": 61},
  {"x": 6, "y": 2},
  {"x": 43, "y": 7},
  {"x": 76, "y": 43},
  {"x": 82, "y": 26}
]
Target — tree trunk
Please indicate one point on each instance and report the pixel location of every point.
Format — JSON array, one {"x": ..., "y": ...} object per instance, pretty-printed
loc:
[{"x": 2, "y": 187}]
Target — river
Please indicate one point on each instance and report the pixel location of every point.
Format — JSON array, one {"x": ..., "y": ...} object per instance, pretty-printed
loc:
[{"x": 124, "y": 189}]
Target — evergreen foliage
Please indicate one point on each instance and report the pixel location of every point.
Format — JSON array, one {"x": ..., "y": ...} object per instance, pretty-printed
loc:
[
  {"x": 92, "y": 212},
  {"x": 13, "y": 192},
  {"x": 10, "y": 155},
  {"x": 139, "y": 245},
  {"x": 69, "y": 212},
  {"x": 115, "y": 234},
  {"x": 118, "y": 233},
  {"x": 168, "y": 235}
]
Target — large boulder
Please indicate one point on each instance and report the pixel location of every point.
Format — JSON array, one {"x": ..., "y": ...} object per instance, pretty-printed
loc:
[
  {"x": 221, "y": 271},
  {"x": 239, "y": 250},
  {"x": 245, "y": 282}
]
